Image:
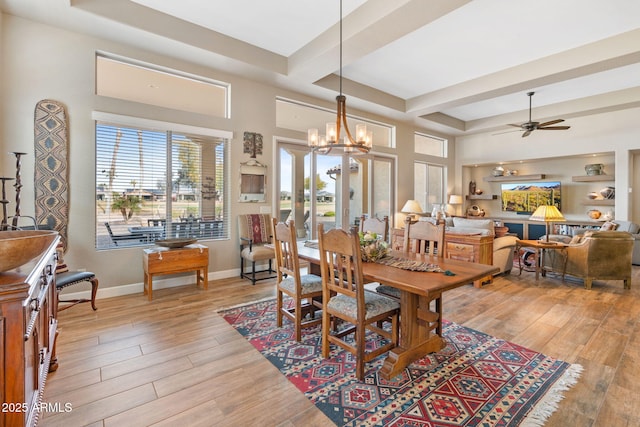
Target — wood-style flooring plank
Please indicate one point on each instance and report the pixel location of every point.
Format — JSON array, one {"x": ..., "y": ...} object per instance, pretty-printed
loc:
[{"x": 175, "y": 361}]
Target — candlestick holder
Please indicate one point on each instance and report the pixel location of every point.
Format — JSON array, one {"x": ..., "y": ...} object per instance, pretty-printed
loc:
[{"x": 18, "y": 186}]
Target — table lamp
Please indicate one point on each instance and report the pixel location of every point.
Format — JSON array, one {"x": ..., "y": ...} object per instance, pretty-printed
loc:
[
  {"x": 412, "y": 207},
  {"x": 548, "y": 214},
  {"x": 455, "y": 199}
]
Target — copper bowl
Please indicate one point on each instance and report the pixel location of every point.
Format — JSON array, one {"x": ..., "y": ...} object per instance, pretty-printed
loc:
[{"x": 21, "y": 246}]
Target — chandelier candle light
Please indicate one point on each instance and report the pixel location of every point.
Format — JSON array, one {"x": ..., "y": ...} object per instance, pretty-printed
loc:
[
  {"x": 548, "y": 214},
  {"x": 325, "y": 144}
]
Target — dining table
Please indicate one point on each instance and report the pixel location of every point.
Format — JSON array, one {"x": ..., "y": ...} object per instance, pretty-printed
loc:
[{"x": 420, "y": 324}]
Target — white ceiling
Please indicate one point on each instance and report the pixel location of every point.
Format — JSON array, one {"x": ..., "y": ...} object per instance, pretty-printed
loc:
[{"x": 456, "y": 66}]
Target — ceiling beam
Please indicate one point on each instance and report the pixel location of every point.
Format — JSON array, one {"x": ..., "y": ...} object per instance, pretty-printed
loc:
[
  {"x": 143, "y": 18},
  {"x": 599, "y": 56},
  {"x": 373, "y": 25}
]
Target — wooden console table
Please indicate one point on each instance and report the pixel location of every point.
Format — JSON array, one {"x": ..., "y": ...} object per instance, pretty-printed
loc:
[
  {"x": 471, "y": 248},
  {"x": 160, "y": 260}
]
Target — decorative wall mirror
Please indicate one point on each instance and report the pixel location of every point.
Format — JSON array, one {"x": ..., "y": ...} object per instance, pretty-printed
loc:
[{"x": 253, "y": 182}]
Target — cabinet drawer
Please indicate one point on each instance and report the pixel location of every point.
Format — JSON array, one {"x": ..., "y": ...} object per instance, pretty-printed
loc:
[{"x": 460, "y": 251}]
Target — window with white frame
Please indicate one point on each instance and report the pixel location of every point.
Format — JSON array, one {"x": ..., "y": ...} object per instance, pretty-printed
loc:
[
  {"x": 429, "y": 185},
  {"x": 131, "y": 80},
  {"x": 430, "y": 145},
  {"x": 158, "y": 181}
]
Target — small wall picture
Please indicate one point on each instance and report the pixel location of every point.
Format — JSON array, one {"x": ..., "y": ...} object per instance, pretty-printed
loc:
[{"x": 253, "y": 143}]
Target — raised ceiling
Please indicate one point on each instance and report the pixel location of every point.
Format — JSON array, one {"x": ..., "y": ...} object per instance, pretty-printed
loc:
[{"x": 457, "y": 66}]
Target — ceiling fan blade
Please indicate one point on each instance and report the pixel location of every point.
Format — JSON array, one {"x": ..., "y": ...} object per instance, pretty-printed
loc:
[
  {"x": 518, "y": 126},
  {"x": 526, "y": 133},
  {"x": 555, "y": 128},
  {"x": 552, "y": 122},
  {"x": 506, "y": 131}
]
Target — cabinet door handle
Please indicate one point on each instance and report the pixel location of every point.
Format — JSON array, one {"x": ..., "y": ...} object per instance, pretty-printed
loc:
[{"x": 42, "y": 356}]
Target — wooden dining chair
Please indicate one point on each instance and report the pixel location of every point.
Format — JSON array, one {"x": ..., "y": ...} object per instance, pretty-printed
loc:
[
  {"x": 304, "y": 289},
  {"x": 424, "y": 237},
  {"x": 345, "y": 298},
  {"x": 375, "y": 225},
  {"x": 421, "y": 237}
]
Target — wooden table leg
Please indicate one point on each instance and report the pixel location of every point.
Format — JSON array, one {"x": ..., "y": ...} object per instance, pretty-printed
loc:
[
  {"x": 150, "y": 286},
  {"x": 418, "y": 336}
]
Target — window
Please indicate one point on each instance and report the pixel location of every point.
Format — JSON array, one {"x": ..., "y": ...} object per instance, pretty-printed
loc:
[
  {"x": 429, "y": 185},
  {"x": 159, "y": 181},
  {"x": 131, "y": 80},
  {"x": 430, "y": 145}
]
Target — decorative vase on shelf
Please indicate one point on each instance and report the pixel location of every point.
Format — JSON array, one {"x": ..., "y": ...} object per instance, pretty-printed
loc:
[
  {"x": 594, "y": 214},
  {"x": 608, "y": 192},
  {"x": 594, "y": 169},
  {"x": 498, "y": 171}
]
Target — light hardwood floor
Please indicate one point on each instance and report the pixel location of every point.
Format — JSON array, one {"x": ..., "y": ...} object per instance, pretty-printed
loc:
[{"x": 175, "y": 361}]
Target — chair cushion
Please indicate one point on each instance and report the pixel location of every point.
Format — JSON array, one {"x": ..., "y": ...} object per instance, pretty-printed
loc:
[
  {"x": 72, "y": 277},
  {"x": 389, "y": 291},
  {"x": 258, "y": 253},
  {"x": 310, "y": 283},
  {"x": 375, "y": 304}
]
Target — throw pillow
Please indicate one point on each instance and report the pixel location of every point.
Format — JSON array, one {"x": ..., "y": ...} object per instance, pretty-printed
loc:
[
  {"x": 576, "y": 239},
  {"x": 608, "y": 226}
]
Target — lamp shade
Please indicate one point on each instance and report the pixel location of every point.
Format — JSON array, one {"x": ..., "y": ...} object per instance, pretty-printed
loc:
[
  {"x": 411, "y": 207},
  {"x": 547, "y": 213},
  {"x": 455, "y": 199}
]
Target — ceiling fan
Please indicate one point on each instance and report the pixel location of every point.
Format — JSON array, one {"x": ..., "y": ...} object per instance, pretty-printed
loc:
[{"x": 530, "y": 126}]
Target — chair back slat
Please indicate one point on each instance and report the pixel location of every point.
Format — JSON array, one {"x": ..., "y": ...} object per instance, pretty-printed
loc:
[
  {"x": 424, "y": 237},
  {"x": 375, "y": 225}
]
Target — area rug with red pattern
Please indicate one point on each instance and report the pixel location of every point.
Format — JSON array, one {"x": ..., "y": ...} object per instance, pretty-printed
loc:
[{"x": 476, "y": 380}]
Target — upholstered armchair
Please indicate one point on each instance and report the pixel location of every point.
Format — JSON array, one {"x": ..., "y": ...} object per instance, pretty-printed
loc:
[
  {"x": 604, "y": 255},
  {"x": 503, "y": 249},
  {"x": 255, "y": 232}
]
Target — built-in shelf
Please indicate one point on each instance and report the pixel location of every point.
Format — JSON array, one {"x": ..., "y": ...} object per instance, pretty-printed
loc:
[
  {"x": 600, "y": 202},
  {"x": 482, "y": 197},
  {"x": 592, "y": 178},
  {"x": 514, "y": 177}
]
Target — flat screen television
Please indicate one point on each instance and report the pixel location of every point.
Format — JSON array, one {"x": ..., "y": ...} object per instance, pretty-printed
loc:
[{"x": 525, "y": 197}]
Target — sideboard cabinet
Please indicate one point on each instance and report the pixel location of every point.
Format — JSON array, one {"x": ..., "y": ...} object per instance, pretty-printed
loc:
[
  {"x": 28, "y": 324},
  {"x": 471, "y": 248}
]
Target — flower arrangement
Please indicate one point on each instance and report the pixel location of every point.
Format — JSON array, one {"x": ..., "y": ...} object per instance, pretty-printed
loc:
[{"x": 372, "y": 246}]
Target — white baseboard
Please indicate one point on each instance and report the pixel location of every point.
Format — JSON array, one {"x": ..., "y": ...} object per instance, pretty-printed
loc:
[{"x": 137, "y": 288}]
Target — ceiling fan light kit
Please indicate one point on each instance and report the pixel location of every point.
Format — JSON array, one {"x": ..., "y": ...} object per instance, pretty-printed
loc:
[{"x": 530, "y": 126}]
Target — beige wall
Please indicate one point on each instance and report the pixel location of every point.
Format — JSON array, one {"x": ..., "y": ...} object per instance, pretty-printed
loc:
[{"x": 42, "y": 62}]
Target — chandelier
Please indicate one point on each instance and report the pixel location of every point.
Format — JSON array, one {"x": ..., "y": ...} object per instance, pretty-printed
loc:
[{"x": 325, "y": 144}]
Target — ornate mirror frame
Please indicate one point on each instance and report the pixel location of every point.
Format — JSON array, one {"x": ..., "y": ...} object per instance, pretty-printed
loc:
[{"x": 253, "y": 182}]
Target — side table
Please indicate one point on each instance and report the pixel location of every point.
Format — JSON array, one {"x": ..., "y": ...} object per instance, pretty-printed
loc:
[
  {"x": 160, "y": 260},
  {"x": 538, "y": 247}
]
